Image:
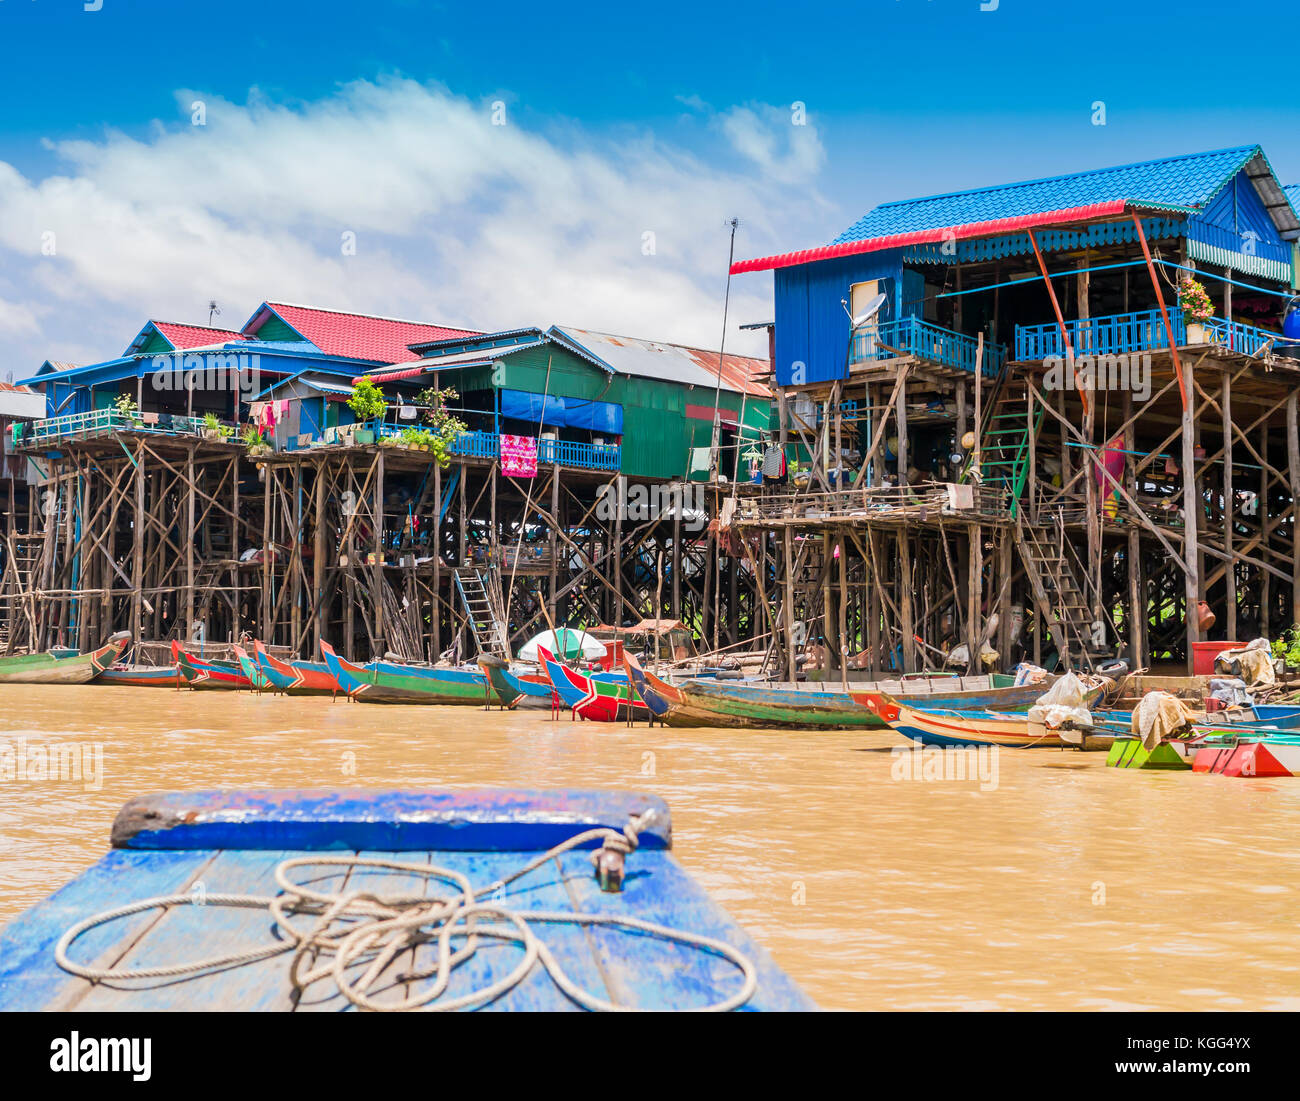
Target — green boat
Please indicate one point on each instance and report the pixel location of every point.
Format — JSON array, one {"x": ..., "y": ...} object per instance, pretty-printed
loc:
[
  {"x": 390, "y": 682},
  {"x": 63, "y": 666},
  {"x": 1131, "y": 753}
]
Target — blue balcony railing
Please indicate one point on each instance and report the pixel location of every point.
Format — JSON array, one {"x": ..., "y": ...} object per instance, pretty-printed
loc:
[
  {"x": 487, "y": 445},
  {"x": 74, "y": 426},
  {"x": 1144, "y": 331},
  {"x": 1117, "y": 334},
  {"x": 914, "y": 337}
]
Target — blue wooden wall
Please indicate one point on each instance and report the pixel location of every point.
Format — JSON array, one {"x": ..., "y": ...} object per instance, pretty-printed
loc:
[
  {"x": 1240, "y": 229},
  {"x": 811, "y": 326}
]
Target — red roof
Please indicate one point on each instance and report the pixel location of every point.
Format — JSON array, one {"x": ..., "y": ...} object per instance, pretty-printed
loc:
[
  {"x": 361, "y": 336},
  {"x": 194, "y": 336},
  {"x": 932, "y": 236}
]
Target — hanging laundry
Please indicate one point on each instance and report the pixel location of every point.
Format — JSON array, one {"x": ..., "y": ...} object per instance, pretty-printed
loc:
[
  {"x": 519, "y": 456},
  {"x": 700, "y": 460},
  {"x": 773, "y": 462}
]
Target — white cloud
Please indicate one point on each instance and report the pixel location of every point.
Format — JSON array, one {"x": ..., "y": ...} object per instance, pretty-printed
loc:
[{"x": 455, "y": 219}]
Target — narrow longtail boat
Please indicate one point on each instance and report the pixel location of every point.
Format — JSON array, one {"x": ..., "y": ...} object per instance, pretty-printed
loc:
[
  {"x": 142, "y": 676},
  {"x": 63, "y": 667},
  {"x": 388, "y": 682},
  {"x": 259, "y": 680},
  {"x": 1019, "y": 697},
  {"x": 296, "y": 678},
  {"x": 504, "y": 684},
  {"x": 598, "y": 697},
  {"x": 1168, "y": 755},
  {"x": 704, "y": 702},
  {"x": 1000, "y": 728},
  {"x": 571, "y": 869},
  {"x": 204, "y": 673}
]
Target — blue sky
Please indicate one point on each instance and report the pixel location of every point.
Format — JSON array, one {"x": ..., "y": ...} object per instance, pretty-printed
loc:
[{"x": 623, "y": 120}]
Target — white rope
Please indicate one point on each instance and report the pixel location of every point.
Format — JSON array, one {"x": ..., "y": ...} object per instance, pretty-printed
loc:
[{"x": 377, "y": 928}]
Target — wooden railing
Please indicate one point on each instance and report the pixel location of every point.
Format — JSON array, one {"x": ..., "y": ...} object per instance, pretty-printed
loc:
[
  {"x": 1144, "y": 331},
  {"x": 914, "y": 337},
  {"x": 487, "y": 445},
  {"x": 934, "y": 499}
]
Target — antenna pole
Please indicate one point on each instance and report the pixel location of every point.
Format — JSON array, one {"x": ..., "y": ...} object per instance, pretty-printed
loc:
[{"x": 714, "y": 444}]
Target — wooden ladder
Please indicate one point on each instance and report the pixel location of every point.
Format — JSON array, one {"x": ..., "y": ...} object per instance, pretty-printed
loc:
[
  {"x": 1062, "y": 605},
  {"x": 1004, "y": 443},
  {"x": 481, "y": 596}
]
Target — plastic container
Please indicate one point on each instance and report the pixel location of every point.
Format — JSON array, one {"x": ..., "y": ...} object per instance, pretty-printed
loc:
[{"x": 1204, "y": 653}]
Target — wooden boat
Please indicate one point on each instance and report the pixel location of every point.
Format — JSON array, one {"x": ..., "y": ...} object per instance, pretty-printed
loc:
[
  {"x": 1014, "y": 697},
  {"x": 388, "y": 682},
  {"x": 259, "y": 680},
  {"x": 601, "y": 697},
  {"x": 205, "y": 673},
  {"x": 63, "y": 666},
  {"x": 296, "y": 678},
  {"x": 503, "y": 682},
  {"x": 1257, "y": 754},
  {"x": 705, "y": 702},
  {"x": 142, "y": 676},
  {"x": 166, "y": 847},
  {"x": 1000, "y": 728}
]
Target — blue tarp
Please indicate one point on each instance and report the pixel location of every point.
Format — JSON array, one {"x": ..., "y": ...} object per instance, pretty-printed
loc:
[{"x": 595, "y": 416}]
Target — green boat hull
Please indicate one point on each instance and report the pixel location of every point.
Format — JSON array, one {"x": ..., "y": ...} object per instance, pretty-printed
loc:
[{"x": 1131, "y": 753}]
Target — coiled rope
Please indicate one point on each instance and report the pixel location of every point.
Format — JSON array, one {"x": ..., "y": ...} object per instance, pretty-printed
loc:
[{"x": 358, "y": 926}]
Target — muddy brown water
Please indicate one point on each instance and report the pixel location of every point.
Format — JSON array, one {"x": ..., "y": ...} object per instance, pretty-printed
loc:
[{"x": 1050, "y": 883}]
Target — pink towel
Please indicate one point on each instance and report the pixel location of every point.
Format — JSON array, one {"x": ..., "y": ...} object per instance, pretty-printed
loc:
[{"x": 519, "y": 456}]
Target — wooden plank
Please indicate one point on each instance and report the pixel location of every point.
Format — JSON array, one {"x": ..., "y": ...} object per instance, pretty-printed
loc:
[
  {"x": 656, "y": 974},
  {"x": 29, "y": 977}
]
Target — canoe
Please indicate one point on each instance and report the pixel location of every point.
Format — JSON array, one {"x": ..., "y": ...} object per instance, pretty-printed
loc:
[
  {"x": 1000, "y": 728},
  {"x": 1255, "y": 755},
  {"x": 63, "y": 666},
  {"x": 296, "y": 678},
  {"x": 599, "y": 697},
  {"x": 717, "y": 703},
  {"x": 503, "y": 682},
  {"x": 142, "y": 676},
  {"x": 1020, "y": 697},
  {"x": 205, "y": 674},
  {"x": 259, "y": 680},
  {"x": 389, "y": 682},
  {"x": 194, "y": 854}
]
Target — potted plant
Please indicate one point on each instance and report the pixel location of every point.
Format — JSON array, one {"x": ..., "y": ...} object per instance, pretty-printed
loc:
[
  {"x": 126, "y": 407},
  {"x": 444, "y": 428},
  {"x": 212, "y": 428},
  {"x": 368, "y": 403},
  {"x": 1287, "y": 648},
  {"x": 255, "y": 442},
  {"x": 1197, "y": 308}
]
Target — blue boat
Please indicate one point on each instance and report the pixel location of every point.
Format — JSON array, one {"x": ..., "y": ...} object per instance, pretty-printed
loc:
[{"x": 277, "y": 900}]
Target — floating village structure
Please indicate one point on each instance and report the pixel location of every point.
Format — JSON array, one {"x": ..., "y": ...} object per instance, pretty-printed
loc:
[
  {"x": 1000, "y": 420},
  {"x": 153, "y": 514},
  {"x": 1132, "y": 472}
]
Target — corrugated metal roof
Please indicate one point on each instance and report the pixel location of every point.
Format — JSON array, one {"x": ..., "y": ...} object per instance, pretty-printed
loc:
[
  {"x": 182, "y": 337},
  {"x": 355, "y": 335},
  {"x": 672, "y": 362},
  {"x": 1183, "y": 183}
]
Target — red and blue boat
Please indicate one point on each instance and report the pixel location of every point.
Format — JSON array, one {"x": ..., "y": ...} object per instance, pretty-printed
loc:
[
  {"x": 296, "y": 678},
  {"x": 207, "y": 673},
  {"x": 601, "y": 697}
]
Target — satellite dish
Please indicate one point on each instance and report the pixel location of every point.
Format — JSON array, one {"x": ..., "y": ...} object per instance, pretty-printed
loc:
[{"x": 874, "y": 303}]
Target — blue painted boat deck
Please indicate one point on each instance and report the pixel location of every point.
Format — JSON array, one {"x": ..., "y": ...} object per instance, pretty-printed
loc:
[{"x": 230, "y": 843}]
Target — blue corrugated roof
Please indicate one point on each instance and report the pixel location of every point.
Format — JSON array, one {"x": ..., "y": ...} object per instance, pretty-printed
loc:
[{"x": 1181, "y": 182}]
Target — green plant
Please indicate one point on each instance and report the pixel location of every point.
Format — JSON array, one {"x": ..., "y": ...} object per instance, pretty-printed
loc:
[
  {"x": 444, "y": 428},
  {"x": 253, "y": 439},
  {"x": 212, "y": 423},
  {"x": 367, "y": 400},
  {"x": 1194, "y": 300},
  {"x": 125, "y": 404},
  {"x": 1288, "y": 645}
]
